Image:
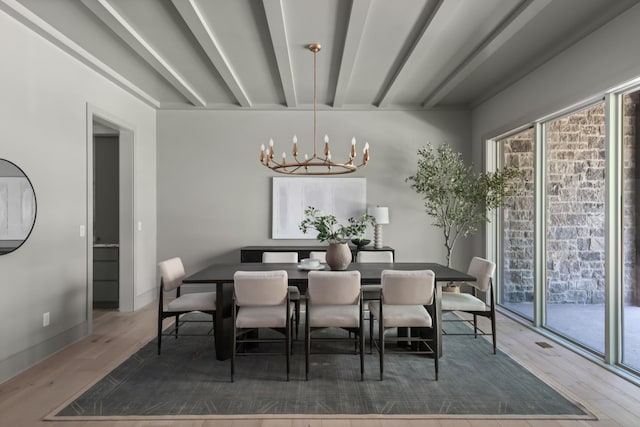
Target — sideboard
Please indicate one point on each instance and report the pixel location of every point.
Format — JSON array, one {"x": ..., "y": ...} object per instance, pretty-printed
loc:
[{"x": 254, "y": 253}]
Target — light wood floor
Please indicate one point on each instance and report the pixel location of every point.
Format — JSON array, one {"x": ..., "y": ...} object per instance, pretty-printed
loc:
[{"x": 27, "y": 398}]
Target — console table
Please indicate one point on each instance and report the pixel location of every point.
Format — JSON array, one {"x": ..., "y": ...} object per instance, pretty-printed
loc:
[{"x": 254, "y": 253}]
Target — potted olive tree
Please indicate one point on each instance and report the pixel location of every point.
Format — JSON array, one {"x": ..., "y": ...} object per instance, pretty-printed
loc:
[{"x": 458, "y": 198}]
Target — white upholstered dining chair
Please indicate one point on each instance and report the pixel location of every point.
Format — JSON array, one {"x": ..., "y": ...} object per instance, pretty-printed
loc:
[
  {"x": 402, "y": 305},
  {"x": 334, "y": 300},
  {"x": 171, "y": 275},
  {"x": 319, "y": 255},
  {"x": 372, "y": 291},
  {"x": 471, "y": 303},
  {"x": 261, "y": 300},
  {"x": 294, "y": 292}
]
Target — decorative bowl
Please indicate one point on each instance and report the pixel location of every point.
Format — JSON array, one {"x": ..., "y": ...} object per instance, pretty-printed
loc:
[{"x": 360, "y": 242}]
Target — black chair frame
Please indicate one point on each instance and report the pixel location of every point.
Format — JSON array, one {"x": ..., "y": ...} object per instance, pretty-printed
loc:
[
  {"x": 413, "y": 343},
  {"x": 358, "y": 338},
  {"x": 491, "y": 315},
  {"x": 253, "y": 338},
  {"x": 174, "y": 331}
]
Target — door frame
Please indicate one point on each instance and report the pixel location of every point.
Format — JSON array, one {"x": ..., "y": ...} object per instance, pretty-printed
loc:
[{"x": 126, "y": 142}]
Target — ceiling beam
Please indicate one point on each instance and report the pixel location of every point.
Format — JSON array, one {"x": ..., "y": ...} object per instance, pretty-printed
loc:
[
  {"x": 37, "y": 24},
  {"x": 197, "y": 23},
  {"x": 355, "y": 29},
  {"x": 275, "y": 20},
  {"x": 424, "y": 41},
  {"x": 116, "y": 22},
  {"x": 514, "y": 23}
]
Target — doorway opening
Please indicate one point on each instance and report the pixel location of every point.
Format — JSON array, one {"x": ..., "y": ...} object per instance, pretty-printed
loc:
[{"x": 110, "y": 216}]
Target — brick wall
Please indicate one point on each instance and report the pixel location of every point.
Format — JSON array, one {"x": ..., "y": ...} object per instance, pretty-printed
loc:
[{"x": 575, "y": 146}]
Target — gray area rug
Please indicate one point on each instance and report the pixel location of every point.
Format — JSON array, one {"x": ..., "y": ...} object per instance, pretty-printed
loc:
[{"x": 187, "y": 380}]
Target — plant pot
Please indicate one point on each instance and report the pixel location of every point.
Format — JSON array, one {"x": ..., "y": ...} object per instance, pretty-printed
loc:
[{"x": 338, "y": 256}]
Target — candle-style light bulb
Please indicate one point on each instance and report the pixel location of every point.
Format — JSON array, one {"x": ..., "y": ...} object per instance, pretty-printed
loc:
[
  {"x": 365, "y": 157},
  {"x": 270, "y": 152},
  {"x": 327, "y": 152},
  {"x": 284, "y": 158},
  {"x": 295, "y": 146},
  {"x": 262, "y": 153},
  {"x": 353, "y": 148}
]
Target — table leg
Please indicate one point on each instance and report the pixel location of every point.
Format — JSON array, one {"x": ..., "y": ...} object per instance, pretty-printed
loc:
[
  {"x": 224, "y": 327},
  {"x": 438, "y": 316}
]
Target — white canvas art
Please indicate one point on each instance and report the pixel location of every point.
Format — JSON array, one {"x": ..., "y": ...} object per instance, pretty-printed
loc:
[{"x": 342, "y": 197}]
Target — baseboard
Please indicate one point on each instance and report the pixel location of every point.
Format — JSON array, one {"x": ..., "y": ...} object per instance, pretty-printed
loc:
[
  {"x": 145, "y": 299},
  {"x": 20, "y": 362}
]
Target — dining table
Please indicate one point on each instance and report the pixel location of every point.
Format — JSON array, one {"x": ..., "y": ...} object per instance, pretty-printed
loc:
[{"x": 221, "y": 275}]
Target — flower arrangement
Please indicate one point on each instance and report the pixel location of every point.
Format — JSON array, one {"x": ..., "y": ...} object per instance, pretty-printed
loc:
[{"x": 328, "y": 228}]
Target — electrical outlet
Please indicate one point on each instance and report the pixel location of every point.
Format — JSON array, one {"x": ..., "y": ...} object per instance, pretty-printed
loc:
[{"x": 45, "y": 319}]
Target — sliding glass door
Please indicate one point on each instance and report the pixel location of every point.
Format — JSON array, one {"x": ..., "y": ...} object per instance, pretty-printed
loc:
[
  {"x": 517, "y": 236},
  {"x": 575, "y": 224},
  {"x": 568, "y": 245},
  {"x": 630, "y": 292}
]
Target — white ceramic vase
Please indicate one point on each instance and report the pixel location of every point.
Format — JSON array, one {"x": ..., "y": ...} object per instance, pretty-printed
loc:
[{"x": 338, "y": 256}]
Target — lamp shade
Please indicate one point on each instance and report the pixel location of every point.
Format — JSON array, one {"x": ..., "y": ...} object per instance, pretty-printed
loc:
[{"x": 381, "y": 214}]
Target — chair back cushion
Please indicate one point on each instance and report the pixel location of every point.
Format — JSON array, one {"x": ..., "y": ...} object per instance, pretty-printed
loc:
[
  {"x": 482, "y": 270},
  {"x": 319, "y": 255},
  {"x": 334, "y": 287},
  {"x": 374, "y": 256},
  {"x": 172, "y": 273},
  {"x": 273, "y": 257},
  {"x": 408, "y": 287},
  {"x": 260, "y": 288}
]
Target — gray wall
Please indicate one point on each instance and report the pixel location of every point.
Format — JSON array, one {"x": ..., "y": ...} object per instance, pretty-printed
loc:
[
  {"x": 43, "y": 115},
  {"x": 214, "y": 196},
  {"x": 605, "y": 59}
]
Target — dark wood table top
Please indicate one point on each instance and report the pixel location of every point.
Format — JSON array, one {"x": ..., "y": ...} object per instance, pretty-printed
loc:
[{"x": 369, "y": 272}]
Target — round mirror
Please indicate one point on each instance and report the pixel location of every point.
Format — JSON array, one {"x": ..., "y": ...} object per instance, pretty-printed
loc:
[{"x": 17, "y": 207}]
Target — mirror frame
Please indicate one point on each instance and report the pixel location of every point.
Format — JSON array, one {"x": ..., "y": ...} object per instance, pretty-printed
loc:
[{"x": 4, "y": 250}]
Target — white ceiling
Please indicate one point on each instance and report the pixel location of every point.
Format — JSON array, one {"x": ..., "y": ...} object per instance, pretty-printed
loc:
[{"x": 376, "y": 54}]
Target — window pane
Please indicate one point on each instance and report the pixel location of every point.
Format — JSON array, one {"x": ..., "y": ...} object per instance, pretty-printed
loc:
[
  {"x": 575, "y": 203},
  {"x": 516, "y": 292},
  {"x": 631, "y": 290}
]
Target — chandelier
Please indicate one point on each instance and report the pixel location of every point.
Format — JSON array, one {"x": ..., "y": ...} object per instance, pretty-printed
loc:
[{"x": 316, "y": 164}]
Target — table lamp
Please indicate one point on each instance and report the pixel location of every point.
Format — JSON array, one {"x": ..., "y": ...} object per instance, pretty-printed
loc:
[{"x": 381, "y": 215}]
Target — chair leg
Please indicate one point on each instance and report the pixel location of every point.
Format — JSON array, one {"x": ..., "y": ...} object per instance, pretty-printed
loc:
[
  {"x": 291, "y": 343},
  {"x": 297, "y": 314},
  {"x": 177, "y": 324},
  {"x": 233, "y": 342},
  {"x": 436, "y": 356},
  {"x": 381, "y": 348},
  {"x": 287, "y": 346},
  {"x": 475, "y": 326},
  {"x": 370, "y": 333},
  {"x": 361, "y": 337},
  {"x": 307, "y": 345},
  {"x": 493, "y": 332},
  {"x": 159, "y": 332}
]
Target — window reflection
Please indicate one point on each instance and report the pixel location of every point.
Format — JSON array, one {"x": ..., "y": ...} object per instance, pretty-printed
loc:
[{"x": 17, "y": 207}]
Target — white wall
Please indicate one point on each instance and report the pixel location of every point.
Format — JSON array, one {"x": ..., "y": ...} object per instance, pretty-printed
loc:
[
  {"x": 43, "y": 117},
  {"x": 214, "y": 196}
]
